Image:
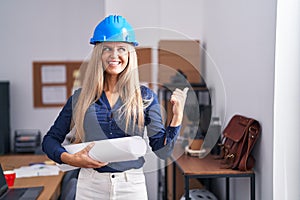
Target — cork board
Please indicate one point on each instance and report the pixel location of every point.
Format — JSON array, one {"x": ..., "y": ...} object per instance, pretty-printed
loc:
[{"x": 53, "y": 82}]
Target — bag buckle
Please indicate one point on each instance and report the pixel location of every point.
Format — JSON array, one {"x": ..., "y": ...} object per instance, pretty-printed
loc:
[
  {"x": 230, "y": 156},
  {"x": 253, "y": 129}
]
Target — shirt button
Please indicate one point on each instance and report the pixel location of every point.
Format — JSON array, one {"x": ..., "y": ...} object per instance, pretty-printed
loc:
[{"x": 113, "y": 176}]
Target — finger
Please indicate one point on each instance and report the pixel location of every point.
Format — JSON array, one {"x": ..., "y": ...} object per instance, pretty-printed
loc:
[
  {"x": 89, "y": 147},
  {"x": 97, "y": 164},
  {"x": 181, "y": 92},
  {"x": 185, "y": 90},
  {"x": 173, "y": 99},
  {"x": 103, "y": 163},
  {"x": 179, "y": 95},
  {"x": 177, "y": 92}
]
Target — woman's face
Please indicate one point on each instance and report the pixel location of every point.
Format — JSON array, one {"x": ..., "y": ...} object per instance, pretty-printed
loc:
[{"x": 115, "y": 57}]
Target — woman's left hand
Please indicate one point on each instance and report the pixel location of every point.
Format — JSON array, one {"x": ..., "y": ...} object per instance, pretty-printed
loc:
[{"x": 178, "y": 100}]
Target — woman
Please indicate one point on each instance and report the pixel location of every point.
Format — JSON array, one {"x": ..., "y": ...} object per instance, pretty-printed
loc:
[{"x": 112, "y": 104}]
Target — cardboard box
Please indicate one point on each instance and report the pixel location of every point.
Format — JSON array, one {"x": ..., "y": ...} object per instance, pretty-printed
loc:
[
  {"x": 181, "y": 55},
  {"x": 144, "y": 55}
]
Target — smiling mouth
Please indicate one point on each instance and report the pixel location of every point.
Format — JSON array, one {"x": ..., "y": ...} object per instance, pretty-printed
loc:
[{"x": 114, "y": 62}]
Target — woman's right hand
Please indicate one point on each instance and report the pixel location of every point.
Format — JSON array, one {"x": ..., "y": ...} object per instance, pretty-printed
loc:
[{"x": 81, "y": 159}]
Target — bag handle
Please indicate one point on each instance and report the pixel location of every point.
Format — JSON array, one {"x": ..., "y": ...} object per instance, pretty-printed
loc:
[{"x": 248, "y": 161}]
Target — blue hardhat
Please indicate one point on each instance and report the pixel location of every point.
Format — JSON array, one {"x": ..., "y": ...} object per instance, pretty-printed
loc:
[{"x": 114, "y": 28}]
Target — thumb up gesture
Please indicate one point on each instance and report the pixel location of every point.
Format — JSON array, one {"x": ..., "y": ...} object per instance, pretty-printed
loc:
[{"x": 177, "y": 100}]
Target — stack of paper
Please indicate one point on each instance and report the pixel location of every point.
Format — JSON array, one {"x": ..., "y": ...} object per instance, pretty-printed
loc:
[
  {"x": 110, "y": 150},
  {"x": 36, "y": 170}
]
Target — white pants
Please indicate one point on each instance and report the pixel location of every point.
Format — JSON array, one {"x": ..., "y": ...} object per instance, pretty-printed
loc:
[{"x": 111, "y": 186}]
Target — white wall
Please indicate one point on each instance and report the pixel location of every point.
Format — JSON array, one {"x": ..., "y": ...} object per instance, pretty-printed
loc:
[
  {"x": 287, "y": 97},
  {"x": 41, "y": 31},
  {"x": 240, "y": 38}
]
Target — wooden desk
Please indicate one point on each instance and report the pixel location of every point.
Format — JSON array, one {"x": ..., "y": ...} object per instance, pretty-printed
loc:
[
  {"x": 208, "y": 167},
  {"x": 51, "y": 183}
]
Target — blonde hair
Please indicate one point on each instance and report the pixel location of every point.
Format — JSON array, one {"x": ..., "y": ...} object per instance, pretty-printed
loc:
[{"x": 127, "y": 86}]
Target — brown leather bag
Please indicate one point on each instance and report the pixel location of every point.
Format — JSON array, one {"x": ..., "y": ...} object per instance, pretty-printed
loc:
[{"x": 239, "y": 137}]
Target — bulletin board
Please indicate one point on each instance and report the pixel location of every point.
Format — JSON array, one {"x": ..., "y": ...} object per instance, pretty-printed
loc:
[{"x": 53, "y": 82}]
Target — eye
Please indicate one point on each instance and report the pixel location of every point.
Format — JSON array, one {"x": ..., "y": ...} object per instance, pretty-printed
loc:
[
  {"x": 106, "y": 49},
  {"x": 122, "y": 50}
]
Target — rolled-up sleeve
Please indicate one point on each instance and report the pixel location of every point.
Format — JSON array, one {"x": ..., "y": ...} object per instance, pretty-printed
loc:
[
  {"x": 56, "y": 135},
  {"x": 157, "y": 132}
]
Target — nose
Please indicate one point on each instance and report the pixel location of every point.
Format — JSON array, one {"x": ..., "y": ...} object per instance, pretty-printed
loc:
[{"x": 114, "y": 53}]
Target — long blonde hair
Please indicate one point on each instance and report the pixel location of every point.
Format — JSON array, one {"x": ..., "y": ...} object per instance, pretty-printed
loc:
[{"x": 128, "y": 87}]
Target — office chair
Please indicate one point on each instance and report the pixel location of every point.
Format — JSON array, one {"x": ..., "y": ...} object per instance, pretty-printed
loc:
[
  {"x": 69, "y": 191},
  {"x": 68, "y": 186}
]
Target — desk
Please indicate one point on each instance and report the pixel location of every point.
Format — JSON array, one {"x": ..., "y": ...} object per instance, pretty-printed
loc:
[
  {"x": 51, "y": 183},
  {"x": 208, "y": 167}
]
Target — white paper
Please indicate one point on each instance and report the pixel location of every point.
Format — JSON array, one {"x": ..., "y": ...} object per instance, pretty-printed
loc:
[
  {"x": 110, "y": 150},
  {"x": 36, "y": 170},
  {"x": 54, "y": 94},
  {"x": 54, "y": 74}
]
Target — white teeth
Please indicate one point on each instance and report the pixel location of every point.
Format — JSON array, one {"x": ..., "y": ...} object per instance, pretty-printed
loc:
[{"x": 113, "y": 63}]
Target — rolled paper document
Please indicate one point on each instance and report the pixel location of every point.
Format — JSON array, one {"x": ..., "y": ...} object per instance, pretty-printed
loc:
[{"x": 110, "y": 150}]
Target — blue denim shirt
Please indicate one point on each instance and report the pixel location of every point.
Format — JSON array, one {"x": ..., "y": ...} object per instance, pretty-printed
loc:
[{"x": 103, "y": 122}]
